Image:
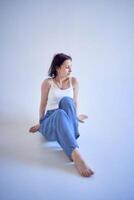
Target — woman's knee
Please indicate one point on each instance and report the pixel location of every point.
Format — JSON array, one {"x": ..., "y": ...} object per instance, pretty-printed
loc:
[
  {"x": 60, "y": 113},
  {"x": 66, "y": 101}
]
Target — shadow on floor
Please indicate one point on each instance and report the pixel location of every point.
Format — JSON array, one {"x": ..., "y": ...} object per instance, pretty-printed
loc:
[{"x": 33, "y": 150}]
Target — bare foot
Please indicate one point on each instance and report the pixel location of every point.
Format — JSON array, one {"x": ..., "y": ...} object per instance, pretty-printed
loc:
[
  {"x": 80, "y": 164},
  {"x": 82, "y": 168}
]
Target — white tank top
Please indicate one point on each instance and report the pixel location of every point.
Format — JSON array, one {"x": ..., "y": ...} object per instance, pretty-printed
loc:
[{"x": 56, "y": 94}]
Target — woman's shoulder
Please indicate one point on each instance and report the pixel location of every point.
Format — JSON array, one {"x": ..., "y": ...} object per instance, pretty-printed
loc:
[
  {"x": 74, "y": 81},
  {"x": 46, "y": 82}
]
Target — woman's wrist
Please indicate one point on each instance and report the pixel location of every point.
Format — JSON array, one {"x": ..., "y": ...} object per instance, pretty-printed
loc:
[{"x": 40, "y": 119}]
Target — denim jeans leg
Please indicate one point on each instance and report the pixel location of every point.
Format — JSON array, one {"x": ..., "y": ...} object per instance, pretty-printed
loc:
[
  {"x": 68, "y": 105},
  {"x": 56, "y": 127}
]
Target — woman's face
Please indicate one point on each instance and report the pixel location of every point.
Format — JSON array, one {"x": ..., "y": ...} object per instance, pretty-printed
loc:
[{"x": 65, "y": 68}]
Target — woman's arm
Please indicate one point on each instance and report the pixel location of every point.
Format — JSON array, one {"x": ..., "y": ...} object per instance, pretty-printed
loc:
[
  {"x": 81, "y": 117},
  {"x": 75, "y": 85},
  {"x": 45, "y": 86}
]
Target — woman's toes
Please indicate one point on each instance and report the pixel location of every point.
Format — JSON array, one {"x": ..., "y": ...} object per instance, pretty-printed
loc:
[
  {"x": 92, "y": 172},
  {"x": 88, "y": 173}
]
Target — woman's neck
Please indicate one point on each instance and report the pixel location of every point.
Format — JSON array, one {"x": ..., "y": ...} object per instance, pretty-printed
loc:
[{"x": 60, "y": 79}]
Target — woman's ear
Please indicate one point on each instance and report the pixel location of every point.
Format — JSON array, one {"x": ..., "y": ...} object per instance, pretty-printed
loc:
[{"x": 57, "y": 69}]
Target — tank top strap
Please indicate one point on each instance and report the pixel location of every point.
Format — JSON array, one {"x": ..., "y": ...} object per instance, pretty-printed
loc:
[{"x": 51, "y": 82}]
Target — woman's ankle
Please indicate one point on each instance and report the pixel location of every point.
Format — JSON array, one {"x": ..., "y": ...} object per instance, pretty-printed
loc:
[{"x": 75, "y": 154}]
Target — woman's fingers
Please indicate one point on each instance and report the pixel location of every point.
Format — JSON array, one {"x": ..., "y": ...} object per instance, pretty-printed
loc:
[
  {"x": 33, "y": 129},
  {"x": 81, "y": 116}
]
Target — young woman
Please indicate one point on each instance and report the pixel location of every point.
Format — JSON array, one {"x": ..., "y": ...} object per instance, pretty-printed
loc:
[{"x": 58, "y": 118}]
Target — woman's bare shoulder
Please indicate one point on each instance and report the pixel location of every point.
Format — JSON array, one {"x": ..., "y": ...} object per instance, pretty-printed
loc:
[
  {"x": 46, "y": 82},
  {"x": 74, "y": 81}
]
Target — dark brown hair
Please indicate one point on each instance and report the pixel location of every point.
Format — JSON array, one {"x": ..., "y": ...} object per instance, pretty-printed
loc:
[{"x": 57, "y": 61}]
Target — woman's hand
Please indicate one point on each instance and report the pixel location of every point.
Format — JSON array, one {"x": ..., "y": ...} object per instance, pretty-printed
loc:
[
  {"x": 34, "y": 128},
  {"x": 82, "y": 118}
]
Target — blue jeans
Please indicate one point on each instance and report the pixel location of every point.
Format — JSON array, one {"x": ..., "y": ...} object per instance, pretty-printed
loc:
[{"x": 61, "y": 125}]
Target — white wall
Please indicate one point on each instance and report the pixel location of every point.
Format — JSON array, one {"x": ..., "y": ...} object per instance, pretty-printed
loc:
[{"x": 97, "y": 34}]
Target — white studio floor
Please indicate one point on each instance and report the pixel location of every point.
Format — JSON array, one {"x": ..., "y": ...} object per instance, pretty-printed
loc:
[{"x": 32, "y": 168}]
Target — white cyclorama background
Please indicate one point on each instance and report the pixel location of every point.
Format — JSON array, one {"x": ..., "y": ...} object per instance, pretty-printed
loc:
[{"x": 99, "y": 35}]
